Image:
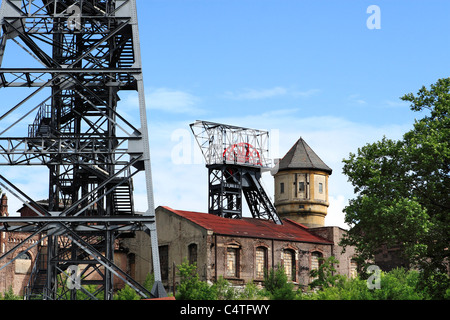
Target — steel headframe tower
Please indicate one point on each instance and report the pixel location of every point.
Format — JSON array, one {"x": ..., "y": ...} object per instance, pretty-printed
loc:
[
  {"x": 235, "y": 158},
  {"x": 87, "y": 51}
]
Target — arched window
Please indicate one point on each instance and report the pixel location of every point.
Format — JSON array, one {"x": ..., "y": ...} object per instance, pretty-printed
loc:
[
  {"x": 353, "y": 268},
  {"x": 23, "y": 263},
  {"x": 192, "y": 253},
  {"x": 289, "y": 264},
  {"x": 232, "y": 261},
  {"x": 24, "y": 256},
  {"x": 316, "y": 260},
  {"x": 261, "y": 262}
]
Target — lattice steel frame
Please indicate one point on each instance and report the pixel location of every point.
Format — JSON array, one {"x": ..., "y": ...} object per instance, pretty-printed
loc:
[
  {"x": 89, "y": 51},
  {"x": 235, "y": 157}
]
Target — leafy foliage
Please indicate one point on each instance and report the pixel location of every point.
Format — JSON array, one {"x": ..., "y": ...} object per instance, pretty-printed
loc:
[
  {"x": 277, "y": 284},
  {"x": 127, "y": 293},
  {"x": 10, "y": 295},
  {"x": 190, "y": 287},
  {"x": 398, "y": 284},
  {"x": 402, "y": 187},
  {"x": 325, "y": 276}
]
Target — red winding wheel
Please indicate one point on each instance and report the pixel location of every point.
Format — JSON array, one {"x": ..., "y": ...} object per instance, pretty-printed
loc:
[{"x": 242, "y": 153}]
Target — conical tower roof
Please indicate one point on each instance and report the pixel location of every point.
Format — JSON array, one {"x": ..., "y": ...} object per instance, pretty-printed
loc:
[{"x": 301, "y": 156}]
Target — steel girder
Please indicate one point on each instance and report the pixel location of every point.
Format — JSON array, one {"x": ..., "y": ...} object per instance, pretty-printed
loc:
[{"x": 84, "y": 53}]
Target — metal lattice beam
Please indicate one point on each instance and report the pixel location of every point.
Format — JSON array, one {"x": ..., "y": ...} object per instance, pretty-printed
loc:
[
  {"x": 235, "y": 157},
  {"x": 81, "y": 55}
]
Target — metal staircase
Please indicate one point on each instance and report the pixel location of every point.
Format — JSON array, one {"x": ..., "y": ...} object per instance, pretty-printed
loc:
[
  {"x": 123, "y": 199},
  {"x": 41, "y": 125},
  {"x": 38, "y": 277}
]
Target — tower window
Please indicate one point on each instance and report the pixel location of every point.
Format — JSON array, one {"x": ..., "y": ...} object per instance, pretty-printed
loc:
[
  {"x": 301, "y": 186},
  {"x": 282, "y": 187},
  {"x": 320, "y": 187}
]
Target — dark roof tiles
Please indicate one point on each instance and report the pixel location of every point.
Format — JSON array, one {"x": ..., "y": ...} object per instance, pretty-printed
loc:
[{"x": 301, "y": 156}]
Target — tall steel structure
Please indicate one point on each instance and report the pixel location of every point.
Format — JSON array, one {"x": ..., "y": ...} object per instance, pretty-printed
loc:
[
  {"x": 86, "y": 52},
  {"x": 235, "y": 157}
]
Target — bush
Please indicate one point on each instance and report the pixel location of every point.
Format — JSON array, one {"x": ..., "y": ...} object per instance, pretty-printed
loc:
[
  {"x": 9, "y": 295},
  {"x": 149, "y": 281},
  {"x": 277, "y": 284},
  {"x": 222, "y": 290},
  {"x": 190, "y": 287},
  {"x": 434, "y": 285},
  {"x": 127, "y": 293},
  {"x": 324, "y": 276},
  {"x": 398, "y": 284},
  {"x": 252, "y": 292}
]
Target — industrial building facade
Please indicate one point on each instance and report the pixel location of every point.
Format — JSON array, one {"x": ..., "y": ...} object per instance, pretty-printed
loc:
[{"x": 239, "y": 250}]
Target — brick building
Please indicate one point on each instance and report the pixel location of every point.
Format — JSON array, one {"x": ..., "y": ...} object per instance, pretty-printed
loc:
[
  {"x": 240, "y": 250},
  {"x": 32, "y": 264},
  {"x": 16, "y": 274}
]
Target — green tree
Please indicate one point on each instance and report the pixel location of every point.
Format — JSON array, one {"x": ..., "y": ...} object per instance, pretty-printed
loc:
[
  {"x": 190, "y": 287},
  {"x": 398, "y": 284},
  {"x": 402, "y": 187},
  {"x": 149, "y": 281},
  {"x": 277, "y": 284},
  {"x": 325, "y": 276},
  {"x": 10, "y": 295},
  {"x": 127, "y": 293}
]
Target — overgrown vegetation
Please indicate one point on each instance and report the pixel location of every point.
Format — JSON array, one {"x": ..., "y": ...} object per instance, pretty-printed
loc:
[
  {"x": 398, "y": 284},
  {"x": 402, "y": 189},
  {"x": 9, "y": 295}
]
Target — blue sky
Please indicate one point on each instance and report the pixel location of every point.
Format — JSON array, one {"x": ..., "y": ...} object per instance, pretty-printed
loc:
[{"x": 296, "y": 68}]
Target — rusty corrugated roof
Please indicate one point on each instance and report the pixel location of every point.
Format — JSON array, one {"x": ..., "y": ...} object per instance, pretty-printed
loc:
[{"x": 250, "y": 227}]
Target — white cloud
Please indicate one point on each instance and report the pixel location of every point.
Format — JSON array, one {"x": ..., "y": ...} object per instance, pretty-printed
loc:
[
  {"x": 336, "y": 216},
  {"x": 32, "y": 181},
  {"x": 396, "y": 104},
  {"x": 254, "y": 94},
  {"x": 167, "y": 100},
  {"x": 174, "y": 101},
  {"x": 355, "y": 99}
]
